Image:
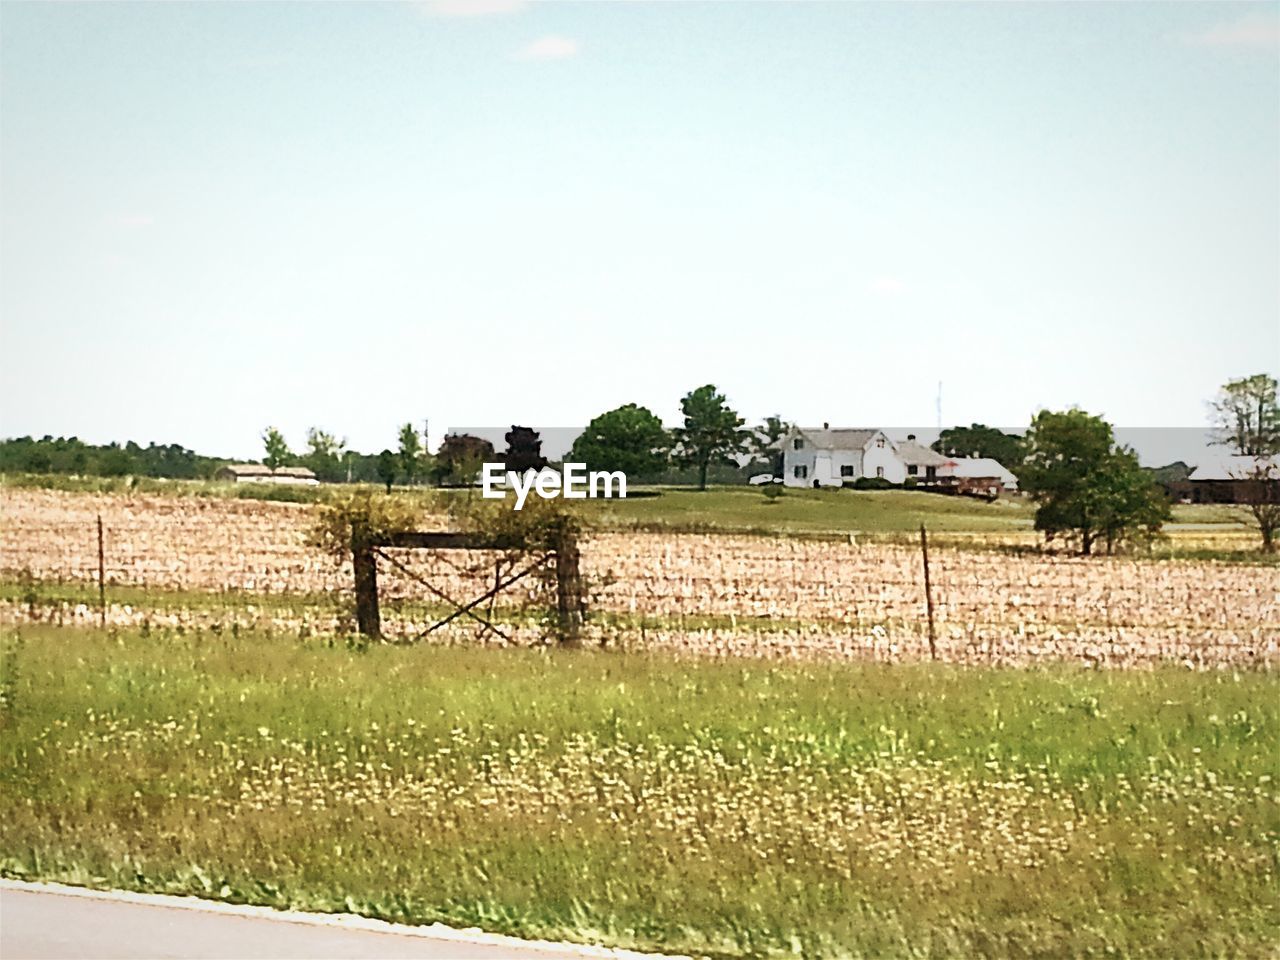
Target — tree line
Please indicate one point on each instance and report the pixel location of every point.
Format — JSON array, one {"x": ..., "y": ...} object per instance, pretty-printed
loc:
[
  {"x": 1086, "y": 486},
  {"x": 71, "y": 455}
]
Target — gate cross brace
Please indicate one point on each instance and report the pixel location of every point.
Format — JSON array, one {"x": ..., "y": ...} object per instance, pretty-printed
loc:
[
  {"x": 564, "y": 549},
  {"x": 469, "y": 608}
]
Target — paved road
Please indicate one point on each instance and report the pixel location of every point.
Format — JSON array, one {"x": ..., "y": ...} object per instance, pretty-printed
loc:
[{"x": 60, "y": 924}]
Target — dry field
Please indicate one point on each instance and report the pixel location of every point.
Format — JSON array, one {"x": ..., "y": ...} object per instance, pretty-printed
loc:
[{"x": 779, "y": 597}]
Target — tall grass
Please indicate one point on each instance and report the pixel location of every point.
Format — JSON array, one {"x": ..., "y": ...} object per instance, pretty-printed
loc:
[{"x": 733, "y": 808}]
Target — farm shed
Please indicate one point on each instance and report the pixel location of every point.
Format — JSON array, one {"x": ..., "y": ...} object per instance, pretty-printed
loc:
[
  {"x": 1235, "y": 480},
  {"x": 257, "y": 473},
  {"x": 992, "y": 472}
]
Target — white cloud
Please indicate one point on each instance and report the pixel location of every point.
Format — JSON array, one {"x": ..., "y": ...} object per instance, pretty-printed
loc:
[
  {"x": 1259, "y": 30},
  {"x": 550, "y": 47},
  {"x": 470, "y": 8}
]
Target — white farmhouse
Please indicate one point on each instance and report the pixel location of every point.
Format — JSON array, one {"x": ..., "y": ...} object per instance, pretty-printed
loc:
[
  {"x": 824, "y": 457},
  {"x": 827, "y": 458}
]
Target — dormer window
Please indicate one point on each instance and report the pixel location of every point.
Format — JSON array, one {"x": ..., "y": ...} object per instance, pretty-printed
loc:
[{"x": 797, "y": 444}]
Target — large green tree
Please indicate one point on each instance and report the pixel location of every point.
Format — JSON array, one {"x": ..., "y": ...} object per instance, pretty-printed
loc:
[
  {"x": 1245, "y": 416},
  {"x": 712, "y": 431},
  {"x": 979, "y": 440},
  {"x": 460, "y": 457},
  {"x": 411, "y": 450},
  {"x": 324, "y": 455},
  {"x": 1085, "y": 486},
  {"x": 629, "y": 438},
  {"x": 277, "y": 450}
]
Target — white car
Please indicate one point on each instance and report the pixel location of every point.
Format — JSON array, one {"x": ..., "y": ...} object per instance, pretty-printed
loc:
[{"x": 763, "y": 478}]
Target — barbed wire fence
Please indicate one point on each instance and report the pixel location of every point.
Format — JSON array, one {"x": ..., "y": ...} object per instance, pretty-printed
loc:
[{"x": 702, "y": 593}]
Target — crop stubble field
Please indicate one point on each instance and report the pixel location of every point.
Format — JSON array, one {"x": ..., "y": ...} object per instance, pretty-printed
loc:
[{"x": 705, "y": 594}]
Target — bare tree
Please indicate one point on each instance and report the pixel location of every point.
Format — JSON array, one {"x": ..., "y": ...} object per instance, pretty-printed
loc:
[
  {"x": 1246, "y": 417},
  {"x": 1261, "y": 497}
]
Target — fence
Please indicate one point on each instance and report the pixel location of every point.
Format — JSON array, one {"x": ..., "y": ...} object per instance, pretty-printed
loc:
[{"x": 708, "y": 594}]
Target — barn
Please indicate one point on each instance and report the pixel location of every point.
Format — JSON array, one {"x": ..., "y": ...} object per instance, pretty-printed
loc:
[
  {"x": 258, "y": 473},
  {"x": 1235, "y": 479}
]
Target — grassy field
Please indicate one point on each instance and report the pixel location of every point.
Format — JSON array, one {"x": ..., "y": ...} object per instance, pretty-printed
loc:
[
  {"x": 746, "y": 509},
  {"x": 731, "y": 808}
]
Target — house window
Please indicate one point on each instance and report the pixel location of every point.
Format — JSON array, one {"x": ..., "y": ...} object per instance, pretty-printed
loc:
[
  {"x": 880, "y": 442},
  {"x": 801, "y": 472},
  {"x": 797, "y": 444},
  {"x": 931, "y": 472},
  {"x": 846, "y": 470},
  {"x": 912, "y": 469},
  {"x": 880, "y": 472}
]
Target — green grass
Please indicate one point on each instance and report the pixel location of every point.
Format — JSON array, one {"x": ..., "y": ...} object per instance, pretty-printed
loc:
[
  {"x": 734, "y": 808},
  {"x": 746, "y": 509}
]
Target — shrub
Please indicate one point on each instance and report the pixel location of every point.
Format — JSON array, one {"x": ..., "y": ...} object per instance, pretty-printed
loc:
[
  {"x": 873, "y": 483},
  {"x": 377, "y": 514}
]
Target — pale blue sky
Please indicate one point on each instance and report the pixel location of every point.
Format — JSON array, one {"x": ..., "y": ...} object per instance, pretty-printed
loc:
[{"x": 219, "y": 216}]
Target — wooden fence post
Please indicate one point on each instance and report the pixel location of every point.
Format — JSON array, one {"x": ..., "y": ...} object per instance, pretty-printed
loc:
[
  {"x": 368, "y": 618},
  {"x": 102, "y": 577},
  {"x": 928, "y": 593},
  {"x": 568, "y": 585}
]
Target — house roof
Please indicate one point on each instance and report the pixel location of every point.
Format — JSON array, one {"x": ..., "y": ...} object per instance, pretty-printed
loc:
[
  {"x": 841, "y": 439},
  {"x": 916, "y": 454},
  {"x": 247, "y": 469},
  {"x": 981, "y": 468},
  {"x": 259, "y": 470},
  {"x": 1234, "y": 468}
]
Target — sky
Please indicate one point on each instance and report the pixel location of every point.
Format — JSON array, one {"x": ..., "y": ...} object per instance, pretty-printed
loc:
[{"x": 215, "y": 217}]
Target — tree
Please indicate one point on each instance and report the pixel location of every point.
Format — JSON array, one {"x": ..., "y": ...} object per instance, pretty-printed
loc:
[
  {"x": 766, "y": 443},
  {"x": 459, "y": 459},
  {"x": 629, "y": 438},
  {"x": 1128, "y": 503},
  {"x": 1086, "y": 486},
  {"x": 978, "y": 440},
  {"x": 114, "y": 462},
  {"x": 712, "y": 431},
  {"x": 410, "y": 452},
  {"x": 1246, "y": 416},
  {"x": 387, "y": 464},
  {"x": 1262, "y": 499},
  {"x": 524, "y": 450},
  {"x": 278, "y": 453},
  {"x": 325, "y": 455}
]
